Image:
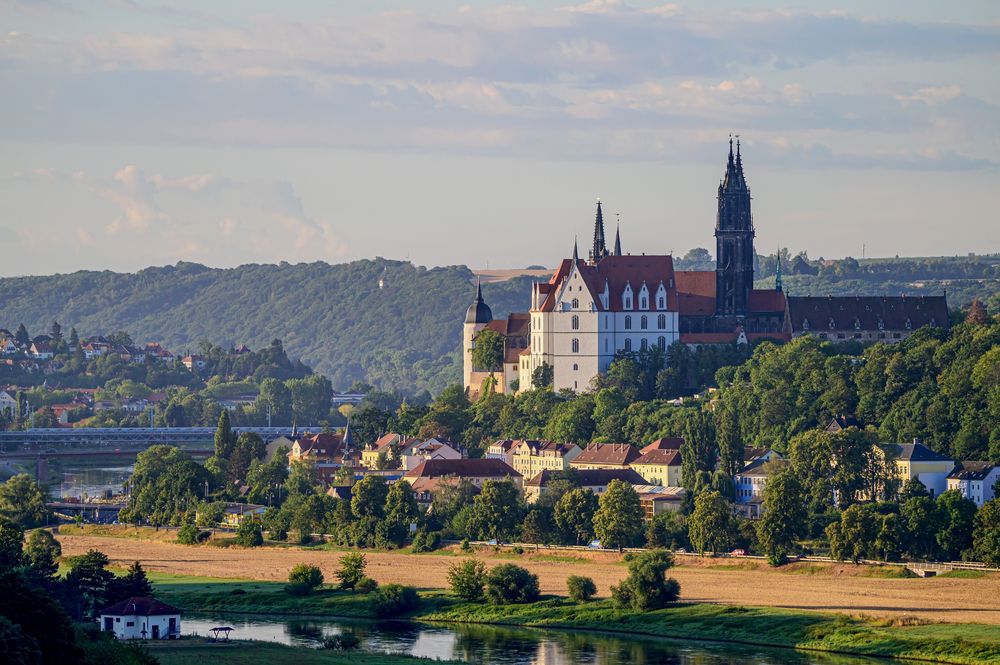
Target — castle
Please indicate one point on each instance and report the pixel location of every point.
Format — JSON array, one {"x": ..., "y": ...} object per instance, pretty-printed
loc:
[{"x": 612, "y": 303}]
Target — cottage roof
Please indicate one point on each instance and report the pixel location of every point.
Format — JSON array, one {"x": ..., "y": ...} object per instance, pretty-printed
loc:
[
  {"x": 971, "y": 470},
  {"x": 608, "y": 453},
  {"x": 917, "y": 452},
  {"x": 140, "y": 606},
  {"x": 660, "y": 457},
  {"x": 617, "y": 272},
  {"x": 761, "y": 467},
  {"x": 664, "y": 443}
]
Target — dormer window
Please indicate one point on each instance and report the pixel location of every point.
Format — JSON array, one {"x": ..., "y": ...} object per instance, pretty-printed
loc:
[
  {"x": 857, "y": 324},
  {"x": 627, "y": 302},
  {"x": 661, "y": 303},
  {"x": 908, "y": 324},
  {"x": 881, "y": 324},
  {"x": 576, "y": 303},
  {"x": 832, "y": 324},
  {"x": 805, "y": 324},
  {"x": 627, "y": 297},
  {"x": 643, "y": 303}
]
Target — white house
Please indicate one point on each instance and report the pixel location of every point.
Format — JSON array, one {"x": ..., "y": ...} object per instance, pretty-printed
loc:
[
  {"x": 141, "y": 618},
  {"x": 431, "y": 449},
  {"x": 975, "y": 480},
  {"x": 8, "y": 404}
]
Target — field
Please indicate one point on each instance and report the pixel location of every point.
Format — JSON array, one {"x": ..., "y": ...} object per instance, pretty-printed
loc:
[{"x": 846, "y": 589}]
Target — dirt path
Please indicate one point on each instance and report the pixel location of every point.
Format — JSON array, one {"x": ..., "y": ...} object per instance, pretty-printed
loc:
[{"x": 831, "y": 588}]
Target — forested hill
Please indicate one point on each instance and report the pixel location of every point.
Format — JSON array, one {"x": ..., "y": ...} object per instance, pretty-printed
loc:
[{"x": 334, "y": 317}]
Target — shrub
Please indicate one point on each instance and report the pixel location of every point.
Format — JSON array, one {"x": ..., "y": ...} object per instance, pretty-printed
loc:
[
  {"x": 188, "y": 534},
  {"x": 426, "y": 541},
  {"x": 352, "y": 570},
  {"x": 647, "y": 587},
  {"x": 311, "y": 576},
  {"x": 366, "y": 585},
  {"x": 467, "y": 579},
  {"x": 581, "y": 589},
  {"x": 517, "y": 549},
  {"x": 248, "y": 534},
  {"x": 466, "y": 547},
  {"x": 394, "y": 599},
  {"x": 508, "y": 583},
  {"x": 298, "y": 589},
  {"x": 341, "y": 642}
]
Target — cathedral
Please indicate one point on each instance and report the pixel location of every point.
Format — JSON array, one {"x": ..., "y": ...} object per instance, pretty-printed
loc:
[{"x": 592, "y": 310}]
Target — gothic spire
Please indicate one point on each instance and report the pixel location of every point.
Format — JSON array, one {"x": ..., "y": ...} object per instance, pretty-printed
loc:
[
  {"x": 734, "y": 168},
  {"x": 600, "y": 249},
  {"x": 479, "y": 289},
  {"x": 618, "y": 239},
  {"x": 576, "y": 254},
  {"x": 777, "y": 274}
]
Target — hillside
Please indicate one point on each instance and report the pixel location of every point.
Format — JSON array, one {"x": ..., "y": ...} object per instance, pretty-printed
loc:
[
  {"x": 334, "y": 317},
  {"x": 407, "y": 335}
]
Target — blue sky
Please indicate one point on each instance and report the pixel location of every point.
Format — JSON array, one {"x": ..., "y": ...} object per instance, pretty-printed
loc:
[{"x": 143, "y": 133}]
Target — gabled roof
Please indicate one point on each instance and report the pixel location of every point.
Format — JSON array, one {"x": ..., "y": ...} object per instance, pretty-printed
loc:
[
  {"x": 866, "y": 312},
  {"x": 463, "y": 468},
  {"x": 917, "y": 452},
  {"x": 140, "y": 606},
  {"x": 608, "y": 453},
  {"x": 660, "y": 457},
  {"x": 532, "y": 447},
  {"x": 972, "y": 470},
  {"x": 586, "y": 477},
  {"x": 757, "y": 467},
  {"x": 664, "y": 443},
  {"x": 385, "y": 442},
  {"x": 616, "y": 272}
]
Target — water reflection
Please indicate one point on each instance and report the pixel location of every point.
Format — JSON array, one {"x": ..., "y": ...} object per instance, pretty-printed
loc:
[
  {"x": 507, "y": 646},
  {"x": 80, "y": 481}
]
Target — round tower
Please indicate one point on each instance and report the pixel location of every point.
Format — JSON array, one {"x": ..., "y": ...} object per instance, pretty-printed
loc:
[{"x": 476, "y": 318}]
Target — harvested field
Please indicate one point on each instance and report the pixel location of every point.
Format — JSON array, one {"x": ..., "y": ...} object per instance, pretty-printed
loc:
[{"x": 839, "y": 588}]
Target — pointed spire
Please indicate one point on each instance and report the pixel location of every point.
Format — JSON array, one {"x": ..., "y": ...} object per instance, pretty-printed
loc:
[
  {"x": 576, "y": 254},
  {"x": 348, "y": 436},
  {"x": 600, "y": 249},
  {"x": 479, "y": 288},
  {"x": 618, "y": 237},
  {"x": 777, "y": 274}
]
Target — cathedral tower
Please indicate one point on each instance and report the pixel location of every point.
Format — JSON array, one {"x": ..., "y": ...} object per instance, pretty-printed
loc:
[
  {"x": 734, "y": 254},
  {"x": 600, "y": 249}
]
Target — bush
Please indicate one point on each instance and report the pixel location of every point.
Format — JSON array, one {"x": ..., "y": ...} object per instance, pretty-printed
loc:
[
  {"x": 366, "y": 585},
  {"x": 248, "y": 534},
  {"x": 508, "y": 583},
  {"x": 581, "y": 589},
  {"x": 466, "y": 547},
  {"x": 298, "y": 589},
  {"x": 188, "y": 534},
  {"x": 647, "y": 587},
  {"x": 394, "y": 599},
  {"x": 311, "y": 576},
  {"x": 467, "y": 579},
  {"x": 517, "y": 549},
  {"x": 426, "y": 541},
  {"x": 341, "y": 642},
  {"x": 352, "y": 570}
]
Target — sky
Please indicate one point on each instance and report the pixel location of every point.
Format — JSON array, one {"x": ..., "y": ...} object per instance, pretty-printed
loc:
[{"x": 138, "y": 133}]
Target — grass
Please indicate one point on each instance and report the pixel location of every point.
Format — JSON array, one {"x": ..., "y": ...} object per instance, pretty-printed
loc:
[
  {"x": 183, "y": 652},
  {"x": 899, "y": 637},
  {"x": 117, "y": 531},
  {"x": 965, "y": 574}
]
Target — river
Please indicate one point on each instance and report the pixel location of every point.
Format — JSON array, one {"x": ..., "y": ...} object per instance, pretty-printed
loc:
[
  {"x": 78, "y": 480},
  {"x": 497, "y": 645}
]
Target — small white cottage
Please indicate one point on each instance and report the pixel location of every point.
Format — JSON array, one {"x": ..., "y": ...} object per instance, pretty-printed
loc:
[{"x": 141, "y": 619}]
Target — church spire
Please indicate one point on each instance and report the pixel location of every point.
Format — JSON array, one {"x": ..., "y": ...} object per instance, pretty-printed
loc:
[
  {"x": 600, "y": 249},
  {"x": 777, "y": 274},
  {"x": 618, "y": 238},
  {"x": 479, "y": 288},
  {"x": 576, "y": 254}
]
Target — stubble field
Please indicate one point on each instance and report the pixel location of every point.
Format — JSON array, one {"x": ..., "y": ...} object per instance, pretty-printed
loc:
[{"x": 837, "y": 588}]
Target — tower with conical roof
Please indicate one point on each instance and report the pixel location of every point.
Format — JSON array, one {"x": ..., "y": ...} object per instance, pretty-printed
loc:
[
  {"x": 618, "y": 239},
  {"x": 734, "y": 233},
  {"x": 477, "y": 317},
  {"x": 600, "y": 248}
]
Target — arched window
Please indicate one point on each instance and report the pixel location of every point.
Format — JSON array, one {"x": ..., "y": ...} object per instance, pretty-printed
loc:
[
  {"x": 575, "y": 322},
  {"x": 628, "y": 345},
  {"x": 575, "y": 367},
  {"x": 628, "y": 323},
  {"x": 628, "y": 303},
  {"x": 643, "y": 303},
  {"x": 661, "y": 342},
  {"x": 660, "y": 304},
  {"x": 643, "y": 322},
  {"x": 661, "y": 321},
  {"x": 576, "y": 345},
  {"x": 576, "y": 303},
  {"x": 642, "y": 344}
]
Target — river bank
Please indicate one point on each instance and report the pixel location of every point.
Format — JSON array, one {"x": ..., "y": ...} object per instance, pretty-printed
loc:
[
  {"x": 962, "y": 644},
  {"x": 242, "y": 652}
]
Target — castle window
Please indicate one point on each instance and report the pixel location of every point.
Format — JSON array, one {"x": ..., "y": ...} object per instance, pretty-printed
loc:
[
  {"x": 575, "y": 322},
  {"x": 576, "y": 304},
  {"x": 627, "y": 303},
  {"x": 643, "y": 303},
  {"x": 908, "y": 324},
  {"x": 832, "y": 324},
  {"x": 628, "y": 345},
  {"x": 661, "y": 343},
  {"x": 643, "y": 322},
  {"x": 805, "y": 324},
  {"x": 628, "y": 323},
  {"x": 857, "y": 324},
  {"x": 642, "y": 344},
  {"x": 660, "y": 304},
  {"x": 575, "y": 367},
  {"x": 576, "y": 345},
  {"x": 661, "y": 321}
]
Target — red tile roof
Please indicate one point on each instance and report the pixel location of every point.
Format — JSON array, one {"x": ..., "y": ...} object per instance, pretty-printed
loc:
[
  {"x": 607, "y": 453},
  {"x": 463, "y": 468},
  {"x": 661, "y": 457},
  {"x": 140, "y": 606},
  {"x": 616, "y": 272},
  {"x": 665, "y": 443}
]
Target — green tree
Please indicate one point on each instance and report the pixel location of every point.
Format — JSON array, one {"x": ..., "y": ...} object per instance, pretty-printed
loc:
[
  {"x": 133, "y": 584},
  {"x": 711, "y": 527},
  {"x": 542, "y": 376},
  {"x": 11, "y": 544},
  {"x": 224, "y": 439},
  {"x": 667, "y": 530},
  {"x": 891, "y": 538},
  {"x": 400, "y": 511},
  {"x": 536, "y": 527},
  {"x": 574, "y": 514},
  {"x": 306, "y": 574},
  {"x": 467, "y": 579},
  {"x": 508, "y": 583},
  {"x": 42, "y": 552},
  {"x": 21, "y": 335},
  {"x": 487, "y": 351},
  {"x": 698, "y": 449},
  {"x": 784, "y": 517},
  {"x": 647, "y": 587},
  {"x": 618, "y": 520},
  {"x": 957, "y": 517},
  {"x": 274, "y": 394},
  {"x": 986, "y": 533},
  {"x": 368, "y": 497},
  {"x": 249, "y": 534},
  {"x": 352, "y": 570},
  {"x": 497, "y": 511},
  {"x": 923, "y": 521},
  {"x": 853, "y": 537},
  {"x": 89, "y": 581},
  {"x": 23, "y": 501}
]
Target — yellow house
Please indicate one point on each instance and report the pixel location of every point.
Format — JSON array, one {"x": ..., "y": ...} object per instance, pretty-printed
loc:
[
  {"x": 659, "y": 467},
  {"x": 531, "y": 457},
  {"x": 386, "y": 445},
  {"x": 917, "y": 461}
]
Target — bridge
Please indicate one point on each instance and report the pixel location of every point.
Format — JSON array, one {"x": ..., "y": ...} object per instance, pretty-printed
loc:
[
  {"x": 103, "y": 513},
  {"x": 62, "y": 437}
]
